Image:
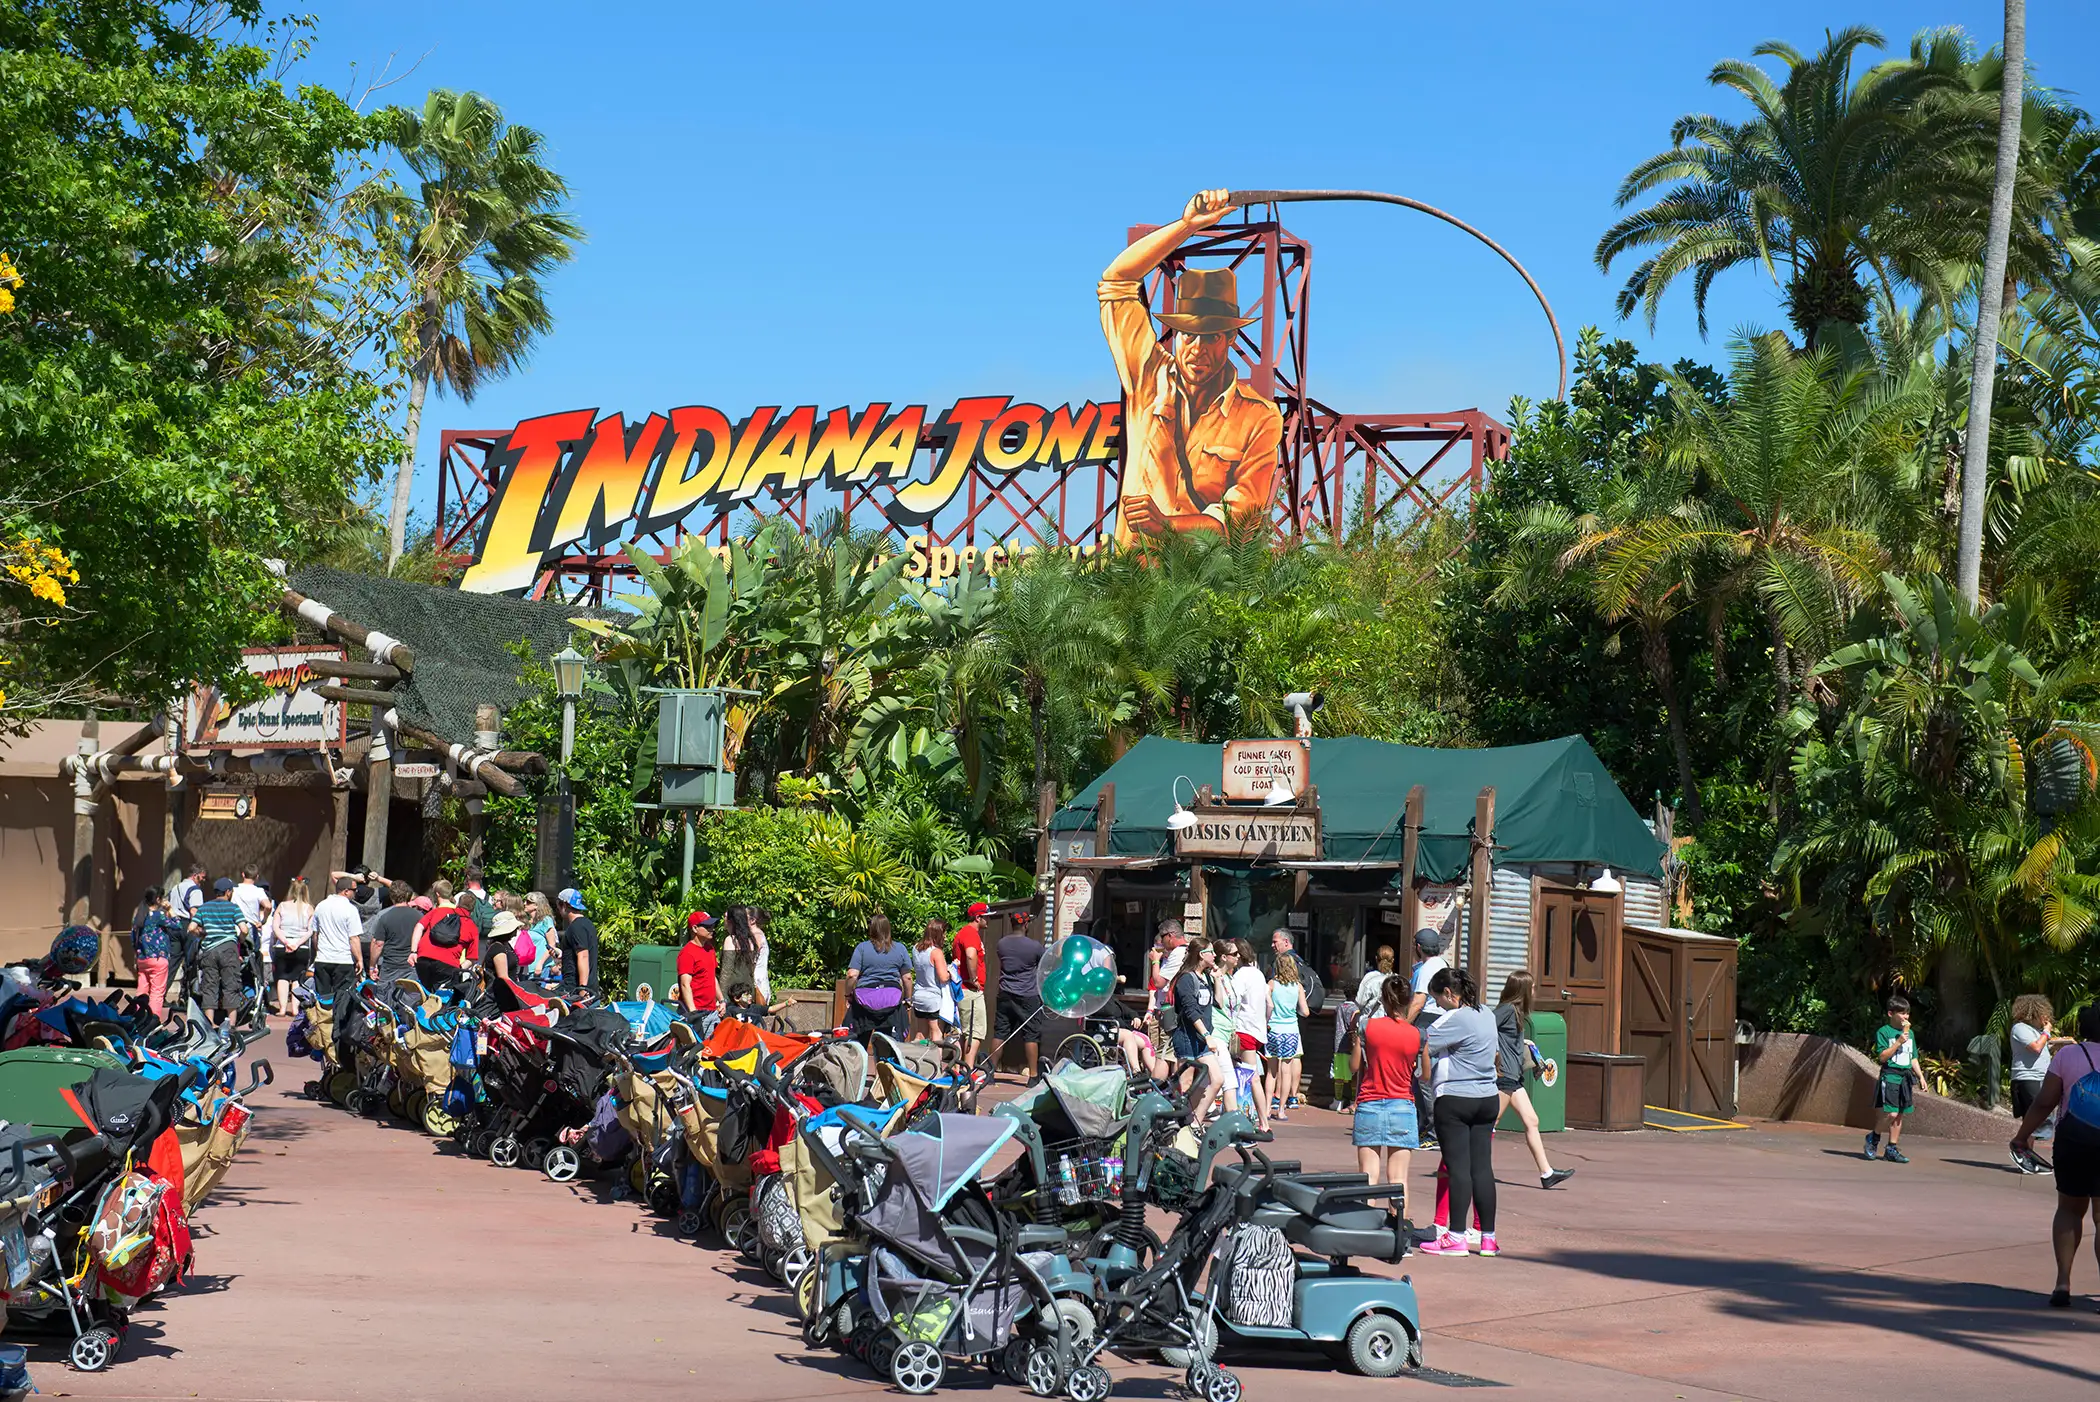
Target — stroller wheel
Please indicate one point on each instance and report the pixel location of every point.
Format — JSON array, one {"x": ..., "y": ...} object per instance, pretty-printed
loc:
[
  {"x": 436, "y": 1121},
  {"x": 1206, "y": 1345},
  {"x": 480, "y": 1142},
  {"x": 808, "y": 1286},
  {"x": 861, "y": 1338},
  {"x": 338, "y": 1086},
  {"x": 638, "y": 1175},
  {"x": 794, "y": 1264},
  {"x": 739, "y": 1228},
  {"x": 816, "y": 1329},
  {"x": 1041, "y": 1373},
  {"x": 663, "y": 1195},
  {"x": 747, "y": 1241},
  {"x": 536, "y": 1150},
  {"x": 561, "y": 1164},
  {"x": 94, "y": 1350},
  {"x": 688, "y": 1224},
  {"x": 1223, "y": 1386},
  {"x": 916, "y": 1367},
  {"x": 504, "y": 1151},
  {"x": 397, "y": 1101},
  {"x": 771, "y": 1261},
  {"x": 415, "y": 1102},
  {"x": 1379, "y": 1346},
  {"x": 882, "y": 1351},
  {"x": 354, "y": 1101},
  {"x": 1089, "y": 1383}
]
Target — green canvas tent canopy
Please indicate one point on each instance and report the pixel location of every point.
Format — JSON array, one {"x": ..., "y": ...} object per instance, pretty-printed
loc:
[{"x": 1554, "y": 802}]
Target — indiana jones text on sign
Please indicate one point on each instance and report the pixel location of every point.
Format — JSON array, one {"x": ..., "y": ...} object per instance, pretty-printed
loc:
[{"x": 1250, "y": 835}]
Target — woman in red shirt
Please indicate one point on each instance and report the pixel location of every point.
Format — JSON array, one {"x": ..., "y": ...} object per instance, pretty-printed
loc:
[
  {"x": 438, "y": 964},
  {"x": 1384, "y": 1063}
]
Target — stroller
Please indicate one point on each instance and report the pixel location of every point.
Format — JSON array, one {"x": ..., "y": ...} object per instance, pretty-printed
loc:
[
  {"x": 424, "y": 1024},
  {"x": 110, "y": 1228},
  {"x": 582, "y": 1045},
  {"x": 644, "y": 1088},
  {"x": 1070, "y": 1126},
  {"x": 926, "y": 1078},
  {"x": 946, "y": 1274}
]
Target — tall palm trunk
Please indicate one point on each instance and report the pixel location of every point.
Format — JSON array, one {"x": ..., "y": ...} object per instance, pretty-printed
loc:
[
  {"x": 1782, "y": 666},
  {"x": 405, "y": 475},
  {"x": 1037, "y": 699},
  {"x": 1655, "y": 650},
  {"x": 1990, "y": 298}
]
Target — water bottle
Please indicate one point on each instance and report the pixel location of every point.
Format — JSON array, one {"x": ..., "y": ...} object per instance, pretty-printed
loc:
[
  {"x": 1114, "y": 1169},
  {"x": 1067, "y": 1186}
]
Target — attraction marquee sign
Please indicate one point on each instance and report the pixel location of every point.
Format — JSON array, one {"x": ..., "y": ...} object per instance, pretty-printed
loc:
[
  {"x": 291, "y": 717},
  {"x": 576, "y": 478}
]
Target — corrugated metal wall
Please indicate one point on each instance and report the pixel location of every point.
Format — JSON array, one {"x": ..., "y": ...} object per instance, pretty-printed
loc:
[
  {"x": 1509, "y": 928},
  {"x": 1644, "y": 902}
]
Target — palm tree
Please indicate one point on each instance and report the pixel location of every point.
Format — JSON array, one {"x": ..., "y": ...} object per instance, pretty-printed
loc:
[
  {"x": 483, "y": 225},
  {"x": 1055, "y": 639},
  {"x": 1788, "y": 481},
  {"x": 1837, "y": 179},
  {"x": 1556, "y": 547}
]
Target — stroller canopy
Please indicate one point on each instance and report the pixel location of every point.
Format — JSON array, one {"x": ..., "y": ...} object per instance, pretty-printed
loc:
[
  {"x": 648, "y": 1021},
  {"x": 1088, "y": 1100},
  {"x": 921, "y": 1059},
  {"x": 836, "y": 1072},
  {"x": 738, "y": 1042},
  {"x": 949, "y": 1152}
]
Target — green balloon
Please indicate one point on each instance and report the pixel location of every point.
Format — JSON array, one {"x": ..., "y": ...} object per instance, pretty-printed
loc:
[
  {"x": 1099, "y": 981},
  {"x": 1061, "y": 993},
  {"x": 1075, "y": 955}
]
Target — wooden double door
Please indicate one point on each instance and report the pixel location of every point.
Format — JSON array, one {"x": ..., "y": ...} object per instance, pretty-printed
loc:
[
  {"x": 1575, "y": 936},
  {"x": 1678, "y": 1011}
]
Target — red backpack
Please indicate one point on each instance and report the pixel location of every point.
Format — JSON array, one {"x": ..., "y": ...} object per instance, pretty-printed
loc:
[{"x": 140, "y": 1239}]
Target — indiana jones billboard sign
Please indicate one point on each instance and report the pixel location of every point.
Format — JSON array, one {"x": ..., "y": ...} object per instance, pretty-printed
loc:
[{"x": 1197, "y": 445}]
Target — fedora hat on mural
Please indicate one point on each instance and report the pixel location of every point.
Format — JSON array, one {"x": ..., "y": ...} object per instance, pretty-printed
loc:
[{"x": 1206, "y": 302}]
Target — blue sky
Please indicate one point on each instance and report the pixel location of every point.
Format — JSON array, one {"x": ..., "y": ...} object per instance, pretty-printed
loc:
[{"x": 832, "y": 204}]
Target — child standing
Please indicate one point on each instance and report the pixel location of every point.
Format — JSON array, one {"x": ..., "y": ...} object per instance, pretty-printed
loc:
[{"x": 1895, "y": 1047}]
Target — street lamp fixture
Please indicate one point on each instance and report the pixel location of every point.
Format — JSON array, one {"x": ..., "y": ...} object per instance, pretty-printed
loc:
[
  {"x": 568, "y": 684},
  {"x": 1181, "y": 817}
]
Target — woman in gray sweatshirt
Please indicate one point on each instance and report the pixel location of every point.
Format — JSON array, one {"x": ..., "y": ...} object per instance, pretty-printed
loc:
[{"x": 1467, "y": 1105}]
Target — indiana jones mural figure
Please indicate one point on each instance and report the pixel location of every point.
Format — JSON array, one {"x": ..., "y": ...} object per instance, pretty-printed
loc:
[{"x": 1199, "y": 444}]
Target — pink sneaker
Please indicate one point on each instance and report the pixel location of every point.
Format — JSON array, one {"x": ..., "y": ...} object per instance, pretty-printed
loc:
[
  {"x": 1488, "y": 1246},
  {"x": 1449, "y": 1244}
]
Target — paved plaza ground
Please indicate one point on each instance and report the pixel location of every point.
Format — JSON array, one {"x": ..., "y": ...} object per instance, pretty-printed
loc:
[{"x": 344, "y": 1259}]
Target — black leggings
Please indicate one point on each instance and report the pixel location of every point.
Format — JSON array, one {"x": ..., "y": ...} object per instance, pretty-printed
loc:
[{"x": 1465, "y": 1128}]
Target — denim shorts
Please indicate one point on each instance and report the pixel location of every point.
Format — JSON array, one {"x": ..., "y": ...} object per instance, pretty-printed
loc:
[{"x": 1384, "y": 1124}]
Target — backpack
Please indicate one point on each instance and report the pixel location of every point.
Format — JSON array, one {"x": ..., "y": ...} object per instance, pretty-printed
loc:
[
  {"x": 446, "y": 932},
  {"x": 140, "y": 1237},
  {"x": 2082, "y": 1097},
  {"x": 1261, "y": 1289}
]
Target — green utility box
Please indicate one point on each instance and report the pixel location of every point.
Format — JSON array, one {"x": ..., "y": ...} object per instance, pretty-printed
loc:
[
  {"x": 654, "y": 965},
  {"x": 1550, "y": 1031},
  {"x": 32, "y": 1077}
]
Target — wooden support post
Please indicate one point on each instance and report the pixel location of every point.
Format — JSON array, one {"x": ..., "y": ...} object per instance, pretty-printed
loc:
[
  {"x": 477, "y": 825},
  {"x": 81, "y": 887},
  {"x": 379, "y": 797},
  {"x": 356, "y": 696},
  {"x": 381, "y": 647},
  {"x": 1045, "y": 810},
  {"x": 1483, "y": 884},
  {"x": 1410, "y": 851},
  {"x": 354, "y": 671},
  {"x": 1104, "y": 820},
  {"x": 338, "y": 832}
]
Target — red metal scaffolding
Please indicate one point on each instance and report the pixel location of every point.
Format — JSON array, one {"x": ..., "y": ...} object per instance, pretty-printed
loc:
[{"x": 1341, "y": 473}]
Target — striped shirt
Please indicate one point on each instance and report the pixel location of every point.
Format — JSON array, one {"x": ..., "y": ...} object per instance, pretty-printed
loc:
[{"x": 221, "y": 920}]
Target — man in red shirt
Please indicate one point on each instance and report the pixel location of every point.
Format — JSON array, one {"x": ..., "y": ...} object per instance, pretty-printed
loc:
[
  {"x": 447, "y": 940},
  {"x": 969, "y": 967},
  {"x": 697, "y": 964}
]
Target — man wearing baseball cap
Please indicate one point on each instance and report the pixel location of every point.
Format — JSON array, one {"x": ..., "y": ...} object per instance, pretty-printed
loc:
[
  {"x": 968, "y": 962},
  {"x": 697, "y": 989},
  {"x": 579, "y": 942}
]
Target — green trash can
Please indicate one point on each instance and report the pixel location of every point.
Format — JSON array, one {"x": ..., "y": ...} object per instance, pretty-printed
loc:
[
  {"x": 1550, "y": 1102},
  {"x": 655, "y": 965}
]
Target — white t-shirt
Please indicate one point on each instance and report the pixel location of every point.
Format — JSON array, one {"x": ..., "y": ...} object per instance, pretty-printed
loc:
[
  {"x": 337, "y": 921},
  {"x": 250, "y": 898},
  {"x": 1250, "y": 1004},
  {"x": 2028, "y": 1065},
  {"x": 1169, "y": 969}
]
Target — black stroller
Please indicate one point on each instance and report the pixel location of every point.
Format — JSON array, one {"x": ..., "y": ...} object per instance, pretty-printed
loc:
[
  {"x": 945, "y": 1275},
  {"x": 581, "y": 1045}
]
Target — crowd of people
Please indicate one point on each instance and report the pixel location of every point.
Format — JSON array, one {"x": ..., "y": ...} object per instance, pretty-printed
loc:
[{"x": 204, "y": 938}]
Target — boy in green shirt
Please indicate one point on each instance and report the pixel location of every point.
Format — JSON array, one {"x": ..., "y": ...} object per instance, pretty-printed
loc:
[{"x": 1896, "y": 1049}]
